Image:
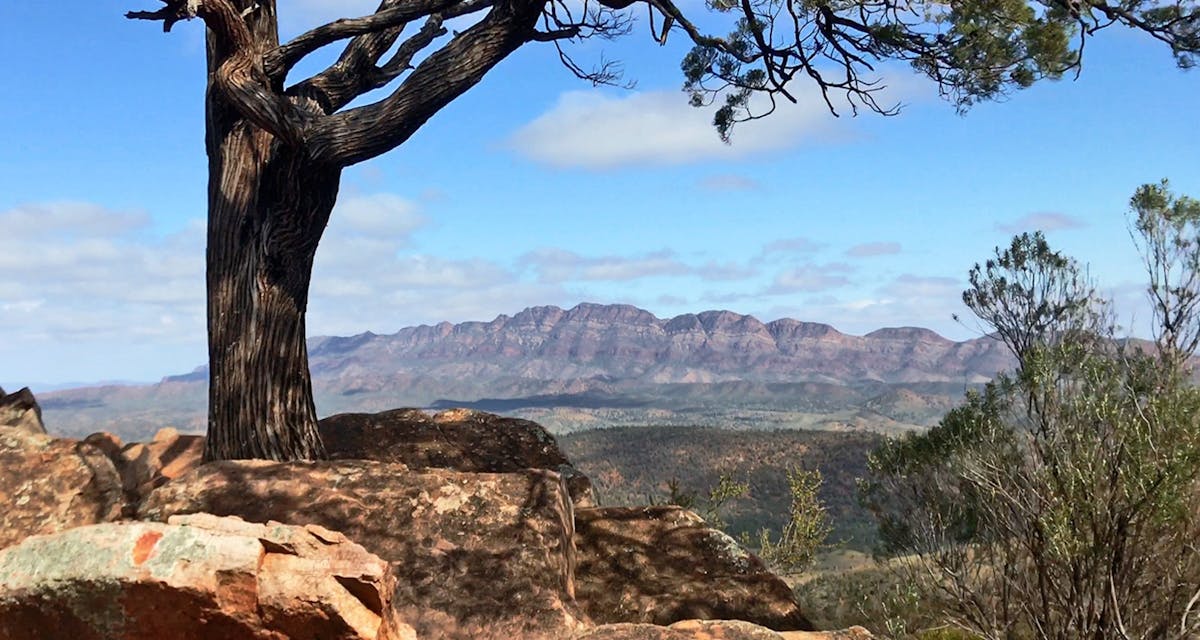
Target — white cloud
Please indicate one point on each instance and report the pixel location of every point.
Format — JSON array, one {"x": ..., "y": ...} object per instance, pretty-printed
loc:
[
  {"x": 870, "y": 249},
  {"x": 907, "y": 300},
  {"x": 378, "y": 214},
  {"x": 1041, "y": 221},
  {"x": 810, "y": 278},
  {"x": 596, "y": 130},
  {"x": 559, "y": 265}
]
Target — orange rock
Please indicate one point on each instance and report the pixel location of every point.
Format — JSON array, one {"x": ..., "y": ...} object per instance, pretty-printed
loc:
[
  {"x": 476, "y": 555},
  {"x": 195, "y": 578},
  {"x": 50, "y": 484}
]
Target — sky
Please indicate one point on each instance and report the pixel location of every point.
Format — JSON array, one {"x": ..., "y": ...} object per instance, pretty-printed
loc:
[{"x": 536, "y": 188}]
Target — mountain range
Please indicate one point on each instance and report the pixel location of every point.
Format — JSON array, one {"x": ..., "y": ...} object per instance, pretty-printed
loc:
[{"x": 601, "y": 365}]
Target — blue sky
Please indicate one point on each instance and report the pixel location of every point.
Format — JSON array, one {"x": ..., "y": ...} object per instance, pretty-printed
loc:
[{"x": 536, "y": 188}]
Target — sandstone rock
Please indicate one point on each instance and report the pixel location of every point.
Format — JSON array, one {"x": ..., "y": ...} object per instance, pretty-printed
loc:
[
  {"x": 50, "y": 484},
  {"x": 459, "y": 439},
  {"x": 853, "y": 633},
  {"x": 685, "y": 630},
  {"x": 661, "y": 565},
  {"x": 476, "y": 555},
  {"x": 21, "y": 411},
  {"x": 106, "y": 442},
  {"x": 196, "y": 578},
  {"x": 145, "y": 466}
]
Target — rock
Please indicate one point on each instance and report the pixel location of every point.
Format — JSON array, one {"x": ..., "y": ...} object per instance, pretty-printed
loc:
[
  {"x": 459, "y": 439},
  {"x": 109, "y": 443},
  {"x": 21, "y": 411},
  {"x": 476, "y": 555},
  {"x": 195, "y": 578},
  {"x": 853, "y": 633},
  {"x": 50, "y": 484},
  {"x": 684, "y": 630},
  {"x": 145, "y": 466},
  {"x": 662, "y": 564}
]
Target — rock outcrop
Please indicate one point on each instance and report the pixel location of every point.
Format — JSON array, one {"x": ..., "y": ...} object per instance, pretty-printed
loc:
[
  {"x": 51, "y": 484},
  {"x": 195, "y": 578},
  {"x": 144, "y": 466},
  {"x": 20, "y": 411},
  {"x": 458, "y": 439},
  {"x": 663, "y": 564},
  {"x": 476, "y": 555}
]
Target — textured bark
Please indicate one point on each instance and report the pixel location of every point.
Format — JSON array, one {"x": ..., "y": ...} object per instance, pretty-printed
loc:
[{"x": 268, "y": 206}]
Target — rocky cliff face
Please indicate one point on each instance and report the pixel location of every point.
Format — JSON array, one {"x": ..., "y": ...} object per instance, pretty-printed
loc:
[{"x": 627, "y": 343}]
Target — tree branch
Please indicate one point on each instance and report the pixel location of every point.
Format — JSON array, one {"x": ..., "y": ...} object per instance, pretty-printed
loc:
[
  {"x": 359, "y": 134},
  {"x": 279, "y": 61},
  {"x": 238, "y": 74},
  {"x": 356, "y": 71}
]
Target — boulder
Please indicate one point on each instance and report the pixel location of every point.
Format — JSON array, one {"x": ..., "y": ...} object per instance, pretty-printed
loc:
[
  {"x": 145, "y": 466},
  {"x": 21, "y": 411},
  {"x": 663, "y": 564},
  {"x": 476, "y": 555},
  {"x": 50, "y": 484},
  {"x": 459, "y": 439},
  {"x": 194, "y": 578}
]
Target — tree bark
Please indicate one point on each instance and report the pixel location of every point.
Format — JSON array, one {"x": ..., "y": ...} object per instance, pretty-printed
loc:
[
  {"x": 268, "y": 206},
  {"x": 265, "y": 220}
]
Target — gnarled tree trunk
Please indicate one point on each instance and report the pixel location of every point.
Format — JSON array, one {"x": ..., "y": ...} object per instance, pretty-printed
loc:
[
  {"x": 275, "y": 157},
  {"x": 268, "y": 206}
]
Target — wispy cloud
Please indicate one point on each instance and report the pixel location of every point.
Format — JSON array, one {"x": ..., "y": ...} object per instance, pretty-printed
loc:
[
  {"x": 559, "y": 265},
  {"x": 1041, "y": 221},
  {"x": 791, "y": 246},
  {"x": 869, "y": 249},
  {"x": 811, "y": 278}
]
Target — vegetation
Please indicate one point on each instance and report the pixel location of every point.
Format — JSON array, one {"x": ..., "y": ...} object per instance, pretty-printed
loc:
[
  {"x": 1062, "y": 500},
  {"x": 634, "y": 465},
  {"x": 804, "y": 533},
  {"x": 277, "y": 146}
]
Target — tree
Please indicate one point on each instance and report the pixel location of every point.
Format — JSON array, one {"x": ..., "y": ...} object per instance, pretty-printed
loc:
[
  {"x": 277, "y": 147},
  {"x": 1061, "y": 501},
  {"x": 1168, "y": 235}
]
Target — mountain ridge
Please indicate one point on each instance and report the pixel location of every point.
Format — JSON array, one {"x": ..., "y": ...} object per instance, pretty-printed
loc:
[{"x": 598, "y": 359}]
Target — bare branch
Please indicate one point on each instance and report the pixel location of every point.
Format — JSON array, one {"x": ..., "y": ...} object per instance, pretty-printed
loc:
[
  {"x": 174, "y": 11},
  {"x": 359, "y": 134},
  {"x": 280, "y": 60},
  {"x": 356, "y": 71}
]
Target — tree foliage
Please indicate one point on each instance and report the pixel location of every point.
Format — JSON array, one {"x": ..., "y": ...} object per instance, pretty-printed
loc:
[{"x": 1062, "y": 500}]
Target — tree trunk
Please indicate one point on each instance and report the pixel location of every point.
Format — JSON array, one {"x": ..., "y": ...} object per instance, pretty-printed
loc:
[{"x": 267, "y": 208}]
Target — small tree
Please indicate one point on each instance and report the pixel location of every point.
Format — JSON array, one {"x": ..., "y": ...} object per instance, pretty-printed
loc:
[
  {"x": 1061, "y": 501},
  {"x": 806, "y": 529},
  {"x": 277, "y": 146},
  {"x": 1168, "y": 236}
]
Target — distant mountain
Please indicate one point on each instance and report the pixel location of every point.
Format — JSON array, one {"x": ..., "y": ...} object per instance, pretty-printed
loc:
[{"x": 598, "y": 357}]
